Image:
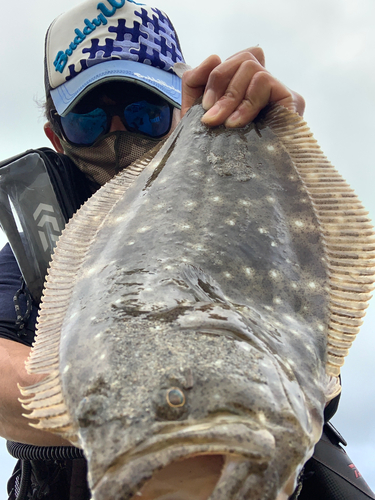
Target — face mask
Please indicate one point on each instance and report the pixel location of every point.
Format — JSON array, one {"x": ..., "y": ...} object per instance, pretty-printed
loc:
[{"x": 109, "y": 155}]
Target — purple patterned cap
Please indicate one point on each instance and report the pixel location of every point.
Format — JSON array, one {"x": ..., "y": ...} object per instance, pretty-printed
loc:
[{"x": 111, "y": 40}]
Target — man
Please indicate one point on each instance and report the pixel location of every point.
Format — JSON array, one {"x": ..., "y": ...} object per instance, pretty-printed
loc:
[{"x": 111, "y": 94}]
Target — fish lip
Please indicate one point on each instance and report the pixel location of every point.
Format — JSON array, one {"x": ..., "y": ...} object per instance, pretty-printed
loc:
[{"x": 246, "y": 442}]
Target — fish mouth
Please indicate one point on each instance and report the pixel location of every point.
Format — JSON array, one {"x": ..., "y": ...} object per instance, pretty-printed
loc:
[{"x": 229, "y": 452}]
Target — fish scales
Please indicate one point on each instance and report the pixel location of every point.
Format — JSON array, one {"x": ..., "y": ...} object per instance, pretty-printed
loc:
[{"x": 208, "y": 277}]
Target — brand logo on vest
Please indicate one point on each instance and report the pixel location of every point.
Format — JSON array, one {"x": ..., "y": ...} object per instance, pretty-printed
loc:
[{"x": 62, "y": 56}]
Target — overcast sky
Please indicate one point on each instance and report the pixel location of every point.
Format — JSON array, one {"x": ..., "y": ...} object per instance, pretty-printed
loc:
[{"x": 324, "y": 49}]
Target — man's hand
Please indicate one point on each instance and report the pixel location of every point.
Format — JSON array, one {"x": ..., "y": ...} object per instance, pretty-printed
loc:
[{"x": 236, "y": 90}]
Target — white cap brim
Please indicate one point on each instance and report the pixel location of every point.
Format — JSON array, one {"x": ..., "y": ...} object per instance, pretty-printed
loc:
[{"x": 166, "y": 84}]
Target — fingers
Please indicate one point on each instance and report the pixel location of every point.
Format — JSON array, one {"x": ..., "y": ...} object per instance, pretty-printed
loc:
[
  {"x": 257, "y": 52},
  {"x": 243, "y": 101},
  {"x": 194, "y": 82},
  {"x": 236, "y": 90}
]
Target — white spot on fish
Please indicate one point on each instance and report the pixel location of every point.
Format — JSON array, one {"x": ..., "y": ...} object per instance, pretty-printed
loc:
[
  {"x": 230, "y": 222},
  {"x": 273, "y": 244},
  {"x": 262, "y": 417},
  {"x": 277, "y": 300},
  {"x": 93, "y": 318},
  {"x": 185, "y": 226},
  {"x": 216, "y": 198},
  {"x": 66, "y": 369},
  {"x": 262, "y": 230},
  {"x": 270, "y": 199},
  {"x": 143, "y": 229},
  {"x": 321, "y": 327},
  {"x": 219, "y": 363},
  {"x": 212, "y": 158},
  {"x": 244, "y": 345},
  {"x": 294, "y": 285},
  {"x": 119, "y": 219},
  {"x": 160, "y": 205},
  {"x": 269, "y": 308},
  {"x": 298, "y": 223},
  {"x": 227, "y": 275},
  {"x": 98, "y": 336},
  {"x": 190, "y": 204},
  {"x": 199, "y": 248},
  {"x": 131, "y": 243},
  {"x": 249, "y": 271},
  {"x": 274, "y": 274},
  {"x": 270, "y": 148},
  {"x": 92, "y": 270},
  {"x": 102, "y": 356},
  {"x": 312, "y": 285},
  {"x": 244, "y": 202}
]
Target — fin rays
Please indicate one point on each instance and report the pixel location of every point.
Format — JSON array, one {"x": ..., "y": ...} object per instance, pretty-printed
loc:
[
  {"x": 347, "y": 232},
  {"x": 45, "y": 399}
]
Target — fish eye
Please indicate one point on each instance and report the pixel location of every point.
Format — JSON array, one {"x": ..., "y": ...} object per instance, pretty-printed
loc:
[{"x": 175, "y": 397}]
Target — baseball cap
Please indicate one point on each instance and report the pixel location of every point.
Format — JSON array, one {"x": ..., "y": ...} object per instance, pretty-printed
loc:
[{"x": 111, "y": 40}]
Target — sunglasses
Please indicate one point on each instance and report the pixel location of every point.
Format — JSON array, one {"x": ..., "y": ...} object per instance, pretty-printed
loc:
[{"x": 142, "y": 117}]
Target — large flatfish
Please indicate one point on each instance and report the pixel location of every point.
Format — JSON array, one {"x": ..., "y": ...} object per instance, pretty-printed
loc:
[{"x": 199, "y": 308}]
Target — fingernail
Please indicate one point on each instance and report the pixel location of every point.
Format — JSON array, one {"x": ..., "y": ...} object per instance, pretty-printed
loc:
[
  {"x": 234, "y": 120},
  {"x": 209, "y": 99},
  {"x": 211, "y": 113}
]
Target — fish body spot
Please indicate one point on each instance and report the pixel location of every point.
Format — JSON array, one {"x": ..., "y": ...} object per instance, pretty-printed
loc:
[
  {"x": 249, "y": 271},
  {"x": 270, "y": 148}
]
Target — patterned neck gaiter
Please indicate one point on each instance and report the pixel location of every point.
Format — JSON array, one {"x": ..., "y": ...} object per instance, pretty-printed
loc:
[{"x": 109, "y": 154}]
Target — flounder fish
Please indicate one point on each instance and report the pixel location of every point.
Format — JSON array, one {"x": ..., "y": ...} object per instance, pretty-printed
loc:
[{"x": 198, "y": 310}]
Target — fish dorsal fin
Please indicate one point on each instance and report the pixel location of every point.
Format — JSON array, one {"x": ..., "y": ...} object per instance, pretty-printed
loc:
[
  {"x": 45, "y": 399},
  {"x": 347, "y": 232}
]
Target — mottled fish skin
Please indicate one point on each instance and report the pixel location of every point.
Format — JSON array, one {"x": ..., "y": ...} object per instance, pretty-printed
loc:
[{"x": 207, "y": 283}]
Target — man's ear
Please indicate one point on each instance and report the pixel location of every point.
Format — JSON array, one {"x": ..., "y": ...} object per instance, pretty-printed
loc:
[{"x": 53, "y": 137}]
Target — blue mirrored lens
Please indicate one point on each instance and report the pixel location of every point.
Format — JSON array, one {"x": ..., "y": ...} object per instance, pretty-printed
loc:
[
  {"x": 150, "y": 119},
  {"x": 84, "y": 128},
  {"x": 143, "y": 117}
]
